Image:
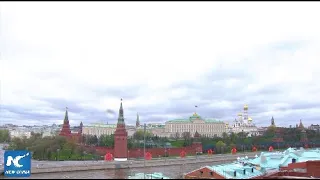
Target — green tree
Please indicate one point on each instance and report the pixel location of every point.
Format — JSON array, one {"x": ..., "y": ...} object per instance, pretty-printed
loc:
[
  {"x": 233, "y": 138},
  {"x": 139, "y": 135},
  {"x": 220, "y": 145},
  {"x": 106, "y": 140},
  {"x": 4, "y": 135},
  {"x": 224, "y": 136}
]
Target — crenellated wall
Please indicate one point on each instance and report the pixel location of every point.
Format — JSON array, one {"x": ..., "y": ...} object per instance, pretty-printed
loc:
[{"x": 156, "y": 152}]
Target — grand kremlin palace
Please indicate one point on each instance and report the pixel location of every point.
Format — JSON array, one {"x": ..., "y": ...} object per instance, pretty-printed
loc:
[{"x": 195, "y": 123}]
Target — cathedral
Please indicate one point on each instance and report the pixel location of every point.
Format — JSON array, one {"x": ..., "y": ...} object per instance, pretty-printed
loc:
[{"x": 243, "y": 123}]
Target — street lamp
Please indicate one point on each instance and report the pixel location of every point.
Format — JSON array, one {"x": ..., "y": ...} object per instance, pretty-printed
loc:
[{"x": 58, "y": 150}]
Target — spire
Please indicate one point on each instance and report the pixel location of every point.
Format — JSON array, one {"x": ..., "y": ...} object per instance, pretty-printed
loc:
[
  {"x": 66, "y": 118},
  {"x": 138, "y": 121},
  {"x": 80, "y": 128},
  {"x": 301, "y": 125},
  {"x": 121, "y": 118},
  {"x": 272, "y": 121}
]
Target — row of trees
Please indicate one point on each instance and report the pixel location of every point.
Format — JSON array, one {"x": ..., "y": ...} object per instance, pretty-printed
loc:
[
  {"x": 4, "y": 135},
  {"x": 136, "y": 141},
  {"x": 291, "y": 137},
  {"x": 51, "y": 148}
]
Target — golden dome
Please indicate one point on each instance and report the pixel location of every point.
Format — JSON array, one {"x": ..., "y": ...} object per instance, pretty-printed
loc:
[
  {"x": 245, "y": 106},
  {"x": 239, "y": 114},
  {"x": 249, "y": 119}
]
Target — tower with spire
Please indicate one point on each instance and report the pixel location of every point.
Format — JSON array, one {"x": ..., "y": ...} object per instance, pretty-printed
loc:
[
  {"x": 138, "y": 121},
  {"x": 120, "y": 138},
  {"x": 65, "y": 131},
  {"x": 301, "y": 125},
  {"x": 272, "y": 122},
  {"x": 80, "y": 128},
  {"x": 303, "y": 133}
]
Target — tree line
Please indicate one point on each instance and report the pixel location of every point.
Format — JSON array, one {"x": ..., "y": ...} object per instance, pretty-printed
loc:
[
  {"x": 51, "y": 148},
  {"x": 4, "y": 135}
]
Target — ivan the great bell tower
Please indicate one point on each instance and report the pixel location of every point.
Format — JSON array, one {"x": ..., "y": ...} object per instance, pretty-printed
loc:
[{"x": 120, "y": 138}]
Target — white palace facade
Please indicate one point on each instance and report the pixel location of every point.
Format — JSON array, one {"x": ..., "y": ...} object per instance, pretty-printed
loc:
[{"x": 195, "y": 123}]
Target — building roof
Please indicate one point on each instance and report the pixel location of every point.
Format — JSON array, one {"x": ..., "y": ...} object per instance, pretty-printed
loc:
[
  {"x": 275, "y": 160},
  {"x": 195, "y": 116},
  {"x": 265, "y": 163},
  {"x": 243, "y": 171},
  {"x": 148, "y": 176}
]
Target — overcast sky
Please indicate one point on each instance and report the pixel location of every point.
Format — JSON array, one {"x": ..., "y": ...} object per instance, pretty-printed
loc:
[{"x": 162, "y": 58}]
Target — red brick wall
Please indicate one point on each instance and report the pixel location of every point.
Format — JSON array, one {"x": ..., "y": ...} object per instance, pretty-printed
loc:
[
  {"x": 138, "y": 152},
  {"x": 313, "y": 168}
]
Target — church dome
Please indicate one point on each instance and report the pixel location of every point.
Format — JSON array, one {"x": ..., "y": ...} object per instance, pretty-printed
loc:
[
  {"x": 249, "y": 119},
  {"x": 245, "y": 107},
  {"x": 239, "y": 114}
]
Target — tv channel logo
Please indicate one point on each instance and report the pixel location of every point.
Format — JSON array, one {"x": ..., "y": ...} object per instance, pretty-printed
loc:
[{"x": 17, "y": 163}]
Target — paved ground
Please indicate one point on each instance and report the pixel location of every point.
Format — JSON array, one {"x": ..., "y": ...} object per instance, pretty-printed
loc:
[{"x": 45, "y": 164}]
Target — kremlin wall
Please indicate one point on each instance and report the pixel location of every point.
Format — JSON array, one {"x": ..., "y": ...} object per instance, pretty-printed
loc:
[
  {"x": 120, "y": 152},
  {"x": 155, "y": 152}
]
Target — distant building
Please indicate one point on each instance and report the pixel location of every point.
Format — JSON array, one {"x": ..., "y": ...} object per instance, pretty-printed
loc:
[
  {"x": 244, "y": 123},
  {"x": 314, "y": 127},
  {"x": 195, "y": 123},
  {"x": 155, "y": 129},
  {"x": 262, "y": 130},
  {"x": 99, "y": 129},
  {"x": 19, "y": 133}
]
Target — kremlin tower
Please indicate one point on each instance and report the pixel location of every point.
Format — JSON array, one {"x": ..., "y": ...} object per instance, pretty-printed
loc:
[
  {"x": 272, "y": 122},
  {"x": 138, "y": 121},
  {"x": 120, "y": 138},
  {"x": 65, "y": 131}
]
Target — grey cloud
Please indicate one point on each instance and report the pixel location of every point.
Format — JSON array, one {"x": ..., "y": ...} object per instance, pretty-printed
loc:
[
  {"x": 110, "y": 111},
  {"x": 88, "y": 114},
  {"x": 305, "y": 105},
  {"x": 213, "y": 87},
  {"x": 125, "y": 92},
  {"x": 27, "y": 113}
]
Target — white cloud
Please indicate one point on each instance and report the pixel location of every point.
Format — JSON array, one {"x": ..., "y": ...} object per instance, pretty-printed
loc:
[{"x": 68, "y": 50}]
